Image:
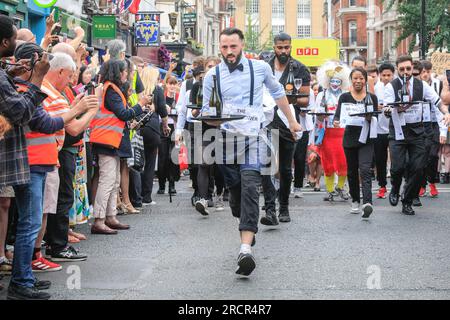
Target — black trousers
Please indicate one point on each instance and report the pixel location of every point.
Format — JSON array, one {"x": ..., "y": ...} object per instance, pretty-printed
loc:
[
  {"x": 147, "y": 176},
  {"x": 432, "y": 155},
  {"x": 244, "y": 197},
  {"x": 414, "y": 146},
  {"x": 270, "y": 193},
  {"x": 301, "y": 149},
  {"x": 381, "y": 155},
  {"x": 359, "y": 163},
  {"x": 135, "y": 188},
  {"x": 219, "y": 180},
  {"x": 205, "y": 181},
  {"x": 167, "y": 170},
  {"x": 58, "y": 224},
  {"x": 286, "y": 154}
]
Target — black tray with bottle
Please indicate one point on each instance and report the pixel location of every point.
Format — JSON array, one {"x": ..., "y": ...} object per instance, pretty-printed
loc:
[
  {"x": 321, "y": 113},
  {"x": 222, "y": 118},
  {"x": 400, "y": 104},
  {"x": 298, "y": 95},
  {"x": 363, "y": 114},
  {"x": 193, "y": 107}
]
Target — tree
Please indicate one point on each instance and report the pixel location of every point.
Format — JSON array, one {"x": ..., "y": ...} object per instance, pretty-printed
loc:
[
  {"x": 437, "y": 27},
  {"x": 253, "y": 37}
]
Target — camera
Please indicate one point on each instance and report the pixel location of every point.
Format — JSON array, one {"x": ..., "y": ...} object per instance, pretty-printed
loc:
[
  {"x": 90, "y": 50},
  {"x": 90, "y": 88}
]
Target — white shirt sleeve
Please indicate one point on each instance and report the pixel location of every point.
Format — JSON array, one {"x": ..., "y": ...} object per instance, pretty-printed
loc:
[
  {"x": 430, "y": 95},
  {"x": 389, "y": 95},
  {"x": 181, "y": 108}
]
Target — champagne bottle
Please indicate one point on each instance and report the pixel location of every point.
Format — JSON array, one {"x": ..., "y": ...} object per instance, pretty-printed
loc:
[
  {"x": 289, "y": 87},
  {"x": 214, "y": 101},
  {"x": 404, "y": 92},
  {"x": 199, "y": 98},
  {"x": 368, "y": 102}
]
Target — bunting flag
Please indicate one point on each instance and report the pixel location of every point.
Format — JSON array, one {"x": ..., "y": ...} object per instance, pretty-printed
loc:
[{"x": 122, "y": 5}]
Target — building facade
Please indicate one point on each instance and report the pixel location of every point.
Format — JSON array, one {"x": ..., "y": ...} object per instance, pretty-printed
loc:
[
  {"x": 382, "y": 29},
  {"x": 270, "y": 17},
  {"x": 347, "y": 20}
]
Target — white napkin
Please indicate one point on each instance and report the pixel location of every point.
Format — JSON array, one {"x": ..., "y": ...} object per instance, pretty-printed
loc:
[
  {"x": 398, "y": 120},
  {"x": 365, "y": 130}
]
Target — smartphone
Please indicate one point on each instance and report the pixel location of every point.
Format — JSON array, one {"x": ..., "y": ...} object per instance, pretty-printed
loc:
[
  {"x": 90, "y": 88},
  {"x": 447, "y": 73},
  {"x": 56, "y": 30}
]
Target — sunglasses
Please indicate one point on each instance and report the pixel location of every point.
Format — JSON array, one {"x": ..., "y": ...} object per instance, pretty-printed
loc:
[
  {"x": 402, "y": 69},
  {"x": 285, "y": 47}
]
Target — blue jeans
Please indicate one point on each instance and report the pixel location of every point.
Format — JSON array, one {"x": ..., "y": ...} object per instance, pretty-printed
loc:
[{"x": 29, "y": 200}]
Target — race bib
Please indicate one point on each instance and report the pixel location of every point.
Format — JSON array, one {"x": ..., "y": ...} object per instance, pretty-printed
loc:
[
  {"x": 349, "y": 109},
  {"x": 250, "y": 125},
  {"x": 413, "y": 114}
]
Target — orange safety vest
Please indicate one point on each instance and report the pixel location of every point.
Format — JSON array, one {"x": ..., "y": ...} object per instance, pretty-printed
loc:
[
  {"x": 106, "y": 128},
  {"x": 55, "y": 104},
  {"x": 42, "y": 148}
]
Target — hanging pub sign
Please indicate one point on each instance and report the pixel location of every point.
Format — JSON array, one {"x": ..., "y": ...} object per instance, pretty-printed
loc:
[
  {"x": 147, "y": 29},
  {"x": 104, "y": 27}
]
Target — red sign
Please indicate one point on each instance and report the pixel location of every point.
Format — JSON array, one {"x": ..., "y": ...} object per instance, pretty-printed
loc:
[{"x": 308, "y": 51}]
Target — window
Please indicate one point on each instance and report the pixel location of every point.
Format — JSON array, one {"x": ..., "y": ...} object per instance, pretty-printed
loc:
[
  {"x": 304, "y": 9},
  {"x": 252, "y": 6},
  {"x": 352, "y": 32},
  {"x": 278, "y": 9},
  {"x": 304, "y": 18},
  {"x": 303, "y": 31},
  {"x": 352, "y": 3},
  {"x": 277, "y": 29}
]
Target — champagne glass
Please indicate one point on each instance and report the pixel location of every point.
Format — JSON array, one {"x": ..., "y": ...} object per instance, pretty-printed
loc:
[{"x": 298, "y": 84}]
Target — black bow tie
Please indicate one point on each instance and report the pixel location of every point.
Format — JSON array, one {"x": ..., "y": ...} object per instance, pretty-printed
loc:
[{"x": 240, "y": 67}]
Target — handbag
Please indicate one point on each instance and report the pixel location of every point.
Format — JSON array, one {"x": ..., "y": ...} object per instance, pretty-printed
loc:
[{"x": 137, "y": 161}]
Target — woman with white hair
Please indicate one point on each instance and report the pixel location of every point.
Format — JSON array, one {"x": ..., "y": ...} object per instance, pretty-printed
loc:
[{"x": 333, "y": 76}]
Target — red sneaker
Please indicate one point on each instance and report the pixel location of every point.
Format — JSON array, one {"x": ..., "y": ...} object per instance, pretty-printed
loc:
[
  {"x": 422, "y": 192},
  {"x": 433, "y": 191},
  {"x": 43, "y": 265},
  {"x": 382, "y": 193}
]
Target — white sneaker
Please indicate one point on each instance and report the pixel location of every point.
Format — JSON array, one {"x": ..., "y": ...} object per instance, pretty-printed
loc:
[
  {"x": 202, "y": 207},
  {"x": 219, "y": 204},
  {"x": 298, "y": 193},
  {"x": 367, "y": 210},
  {"x": 355, "y": 208}
]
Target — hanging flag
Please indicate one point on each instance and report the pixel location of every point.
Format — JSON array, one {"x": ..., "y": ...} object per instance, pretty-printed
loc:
[
  {"x": 122, "y": 5},
  {"x": 134, "y": 8}
]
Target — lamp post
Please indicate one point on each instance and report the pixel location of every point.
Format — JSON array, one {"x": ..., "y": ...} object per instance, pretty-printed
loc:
[{"x": 231, "y": 8}]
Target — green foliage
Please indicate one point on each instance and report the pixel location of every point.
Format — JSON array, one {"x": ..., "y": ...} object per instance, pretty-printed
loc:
[
  {"x": 437, "y": 27},
  {"x": 253, "y": 37}
]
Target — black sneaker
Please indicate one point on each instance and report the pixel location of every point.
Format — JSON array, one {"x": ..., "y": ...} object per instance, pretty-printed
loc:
[
  {"x": 408, "y": 210},
  {"x": 342, "y": 194},
  {"x": 416, "y": 202},
  {"x": 160, "y": 191},
  {"x": 284, "y": 215},
  {"x": 16, "y": 292},
  {"x": 246, "y": 264},
  {"x": 68, "y": 254},
  {"x": 270, "y": 219},
  {"x": 330, "y": 196},
  {"x": 42, "y": 284}
]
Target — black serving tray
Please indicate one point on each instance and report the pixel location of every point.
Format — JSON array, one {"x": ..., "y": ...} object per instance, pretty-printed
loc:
[
  {"x": 193, "y": 107},
  {"x": 321, "y": 113},
  {"x": 221, "y": 118},
  {"x": 363, "y": 114}
]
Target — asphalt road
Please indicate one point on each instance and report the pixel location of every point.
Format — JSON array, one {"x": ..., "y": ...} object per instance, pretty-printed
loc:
[{"x": 172, "y": 252}]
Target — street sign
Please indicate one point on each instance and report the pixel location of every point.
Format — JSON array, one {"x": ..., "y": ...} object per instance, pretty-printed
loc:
[
  {"x": 104, "y": 27},
  {"x": 147, "y": 29},
  {"x": 189, "y": 19},
  {"x": 315, "y": 52}
]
